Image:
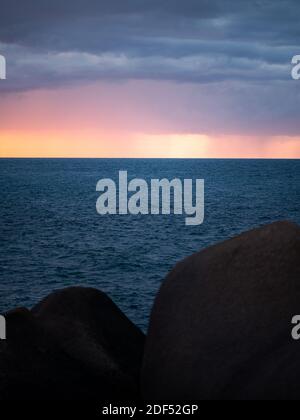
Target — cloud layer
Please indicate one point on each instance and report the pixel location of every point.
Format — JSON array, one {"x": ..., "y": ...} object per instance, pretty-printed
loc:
[
  {"x": 52, "y": 42},
  {"x": 223, "y": 65}
]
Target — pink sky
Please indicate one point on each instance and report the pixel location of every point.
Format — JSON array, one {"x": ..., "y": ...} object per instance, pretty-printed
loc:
[{"x": 132, "y": 119}]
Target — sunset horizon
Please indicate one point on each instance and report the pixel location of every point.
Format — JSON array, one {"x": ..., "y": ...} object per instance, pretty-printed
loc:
[
  {"x": 105, "y": 84},
  {"x": 173, "y": 149},
  {"x": 103, "y": 120}
]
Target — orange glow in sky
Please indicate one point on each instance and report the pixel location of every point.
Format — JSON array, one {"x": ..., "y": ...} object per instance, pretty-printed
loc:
[
  {"x": 121, "y": 120},
  {"x": 92, "y": 145}
]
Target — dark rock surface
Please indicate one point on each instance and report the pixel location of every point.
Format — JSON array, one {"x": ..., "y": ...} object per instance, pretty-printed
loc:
[
  {"x": 221, "y": 324},
  {"x": 76, "y": 344}
]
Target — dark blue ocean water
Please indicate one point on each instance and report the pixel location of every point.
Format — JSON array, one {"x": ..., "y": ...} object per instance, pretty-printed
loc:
[{"x": 52, "y": 237}]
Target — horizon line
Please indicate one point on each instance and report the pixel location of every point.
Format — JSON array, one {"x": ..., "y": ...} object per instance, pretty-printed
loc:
[{"x": 149, "y": 158}]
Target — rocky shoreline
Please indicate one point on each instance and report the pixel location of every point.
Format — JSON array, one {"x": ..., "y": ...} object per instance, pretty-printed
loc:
[{"x": 220, "y": 329}]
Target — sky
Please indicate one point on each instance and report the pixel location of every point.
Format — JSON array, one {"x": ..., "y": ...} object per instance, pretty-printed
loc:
[{"x": 149, "y": 78}]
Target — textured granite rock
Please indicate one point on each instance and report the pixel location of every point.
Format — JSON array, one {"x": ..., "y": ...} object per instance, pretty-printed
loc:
[
  {"x": 75, "y": 344},
  {"x": 221, "y": 323}
]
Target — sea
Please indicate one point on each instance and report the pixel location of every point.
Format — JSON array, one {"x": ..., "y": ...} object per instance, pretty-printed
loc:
[{"x": 52, "y": 237}]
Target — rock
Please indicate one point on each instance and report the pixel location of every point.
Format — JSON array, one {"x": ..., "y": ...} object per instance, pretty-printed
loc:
[
  {"x": 221, "y": 323},
  {"x": 76, "y": 344}
]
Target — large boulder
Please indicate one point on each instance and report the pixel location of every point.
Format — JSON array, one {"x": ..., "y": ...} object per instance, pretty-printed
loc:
[
  {"x": 76, "y": 344},
  {"x": 221, "y": 323}
]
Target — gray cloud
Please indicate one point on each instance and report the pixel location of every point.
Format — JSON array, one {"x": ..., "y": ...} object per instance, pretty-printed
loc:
[
  {"x": 238, "y": 52},
  {"x": 52, "y": 42}
]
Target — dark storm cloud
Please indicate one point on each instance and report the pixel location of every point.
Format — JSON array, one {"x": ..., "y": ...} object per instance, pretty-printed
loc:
[
  {"x": 49, "y": 43},
  {"x": 26, "y": 22}
]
